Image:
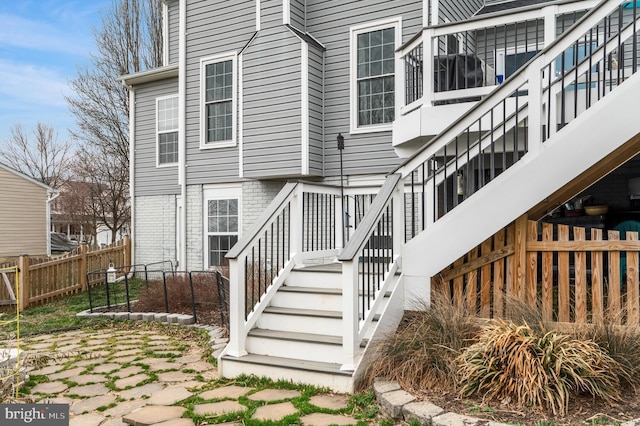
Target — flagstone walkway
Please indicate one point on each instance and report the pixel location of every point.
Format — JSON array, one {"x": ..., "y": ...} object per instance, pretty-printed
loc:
[{"x": 150, "y": 377}]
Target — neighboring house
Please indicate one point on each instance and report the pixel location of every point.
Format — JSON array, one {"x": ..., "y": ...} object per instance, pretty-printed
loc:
[
  {"x": 255, "y": 94},
  {"x": 24, "y": 214},
  {"x": 73, "y": 213}
]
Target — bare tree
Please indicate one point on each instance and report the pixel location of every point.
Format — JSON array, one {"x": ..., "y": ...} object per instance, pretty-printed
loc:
[
  {"x": 106, "y": 188},
  {"x": 37, "y": 153},
  {"x": 129, "y": 41}
]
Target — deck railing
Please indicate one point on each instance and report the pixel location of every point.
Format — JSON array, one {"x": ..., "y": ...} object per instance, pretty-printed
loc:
[
  {"x": 369, "y": 264},
  {"x": 498, "y": 131},
  {"x": 464, "y": 61}
]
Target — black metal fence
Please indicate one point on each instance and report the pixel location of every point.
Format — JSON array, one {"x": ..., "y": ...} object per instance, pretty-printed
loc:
[{"x": 158, "y": 288}]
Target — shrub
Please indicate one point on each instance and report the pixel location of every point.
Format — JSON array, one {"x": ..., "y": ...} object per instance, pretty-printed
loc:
[
  {"x": 423, "y": 351},
  {"x": 621, "y": 342},
  {"x": 535, "y": 370}
]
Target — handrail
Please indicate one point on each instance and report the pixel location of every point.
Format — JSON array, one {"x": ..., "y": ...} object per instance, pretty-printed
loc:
[
  {"x": 360, "y": 236},
  {"x": 513, "y": 83},
  {"x": 476, "y": 22},
  {"x": 274, "y": 207}
]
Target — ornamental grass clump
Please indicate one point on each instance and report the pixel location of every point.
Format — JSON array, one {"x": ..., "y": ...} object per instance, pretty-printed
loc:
[
  {"x": 422, "y": 353},
  {"x": 538, "y": 370}
]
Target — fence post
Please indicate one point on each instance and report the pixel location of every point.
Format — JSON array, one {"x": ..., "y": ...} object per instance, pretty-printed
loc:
[
  {"x": 82, "y": 267},
  {"x": 127, "y": 252},
  {"x": 23, "y": 281}
]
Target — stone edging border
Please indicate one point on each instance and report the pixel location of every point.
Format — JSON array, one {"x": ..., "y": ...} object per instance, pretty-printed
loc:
[
  {"x": 217, "y": 341},
  {"x": 401, "y": 405}
]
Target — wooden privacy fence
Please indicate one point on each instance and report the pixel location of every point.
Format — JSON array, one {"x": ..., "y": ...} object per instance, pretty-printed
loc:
[
  {"x": 43, "y": 279},
  {"x": 573, "y": 274}
]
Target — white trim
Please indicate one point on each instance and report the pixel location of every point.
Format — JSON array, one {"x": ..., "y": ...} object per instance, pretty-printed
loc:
[
  {"x": 165, "y": 34},
  {"x": 158, "y": 99},
  {"x": 304, "y": 71},
  {"x": 132, "y": 162},
  {"x": 396, "y": 23},
  {"x": 435, "y": 12},
  {"x": 229, "y": 56},
  {"x": 182, "y": 170},
  {"x": 227, "y": 191},
  {"x": 425, "y": 13},
  {"x": 240, "y": 118},
  {"x": 286, "y": 12},
  {"x": 258, "y": 23}
]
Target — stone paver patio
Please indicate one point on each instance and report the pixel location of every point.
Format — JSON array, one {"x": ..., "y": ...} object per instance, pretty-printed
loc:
[{"x": 149, "y": 377}]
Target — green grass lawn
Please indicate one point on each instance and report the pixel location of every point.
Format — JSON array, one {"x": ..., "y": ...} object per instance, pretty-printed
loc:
[{"x": 61, "y": 313}]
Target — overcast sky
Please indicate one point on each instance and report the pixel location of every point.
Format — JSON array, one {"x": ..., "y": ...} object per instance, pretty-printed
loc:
[{"x": 41, "y": 44}]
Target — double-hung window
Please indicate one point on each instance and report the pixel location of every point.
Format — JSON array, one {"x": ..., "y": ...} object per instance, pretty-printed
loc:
[
  {"x": 167, "y": 126},
  {"x": 219, "y": 101},
  {"x": 373, "y": 75},
  {"x": 222, "y": 229}
]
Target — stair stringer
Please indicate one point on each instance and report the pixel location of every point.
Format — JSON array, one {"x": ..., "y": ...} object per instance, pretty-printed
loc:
[{"x": 590, "y": 137}]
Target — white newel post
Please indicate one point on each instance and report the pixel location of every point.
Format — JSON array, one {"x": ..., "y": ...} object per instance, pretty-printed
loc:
[
  {"x": 427, "y": 74},
  {"x": 398, "y": 222},
  {"x": 296, "y": 219},
  {"x": 237, "y": 297},
  {"x": 349, "y": 313},
  {"x": 535, "y": 108}
]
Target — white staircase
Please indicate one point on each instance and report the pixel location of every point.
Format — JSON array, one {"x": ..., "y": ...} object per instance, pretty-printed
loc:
[
  {"x": 298, "y": 337},
  {"x": 313, "y": 324}
]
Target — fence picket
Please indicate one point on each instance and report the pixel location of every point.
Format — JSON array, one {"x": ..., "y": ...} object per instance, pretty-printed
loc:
[
  {"x": 580, "y": 273},
  {"x": 498, "y": 277},
  {"x": 597, "y": 283},
  {"x": 485, "y": 281},
  {"x": 614, "y": 279},
  {"x": 633, "y": 304},
  {"x": 547, "y": 274}
]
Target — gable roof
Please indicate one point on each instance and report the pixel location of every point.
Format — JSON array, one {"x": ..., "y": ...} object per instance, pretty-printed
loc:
[{"x": 28, "y": 178}]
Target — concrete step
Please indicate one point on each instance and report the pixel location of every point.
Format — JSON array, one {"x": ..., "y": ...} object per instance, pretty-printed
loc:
[{"x": 322, "y": 374}]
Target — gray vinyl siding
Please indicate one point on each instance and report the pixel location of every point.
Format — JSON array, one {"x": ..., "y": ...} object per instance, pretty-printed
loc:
[
  {"x": 173, "y": 30},
  {"x": 329, "y": 22},
  {"x": 271, "y": 13},
  {"x": 213, "y": 28},
  {"x": 272, "y": 104},
  {"x": 23, "y": 216},
  {"x": 149, "y": 179},
  {"x": 458, "y": 10},
  {"x": 316, "y": 89},
  {"x": 297, "y": 12}
]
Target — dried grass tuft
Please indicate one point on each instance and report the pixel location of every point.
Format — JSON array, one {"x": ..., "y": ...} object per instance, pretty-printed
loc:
[
  {"x": 423, "y": 351},
  {"x": 536, "y": 370}
]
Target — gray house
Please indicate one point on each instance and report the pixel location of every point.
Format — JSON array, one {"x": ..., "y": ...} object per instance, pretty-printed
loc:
[{"x": 336, "y": 155}]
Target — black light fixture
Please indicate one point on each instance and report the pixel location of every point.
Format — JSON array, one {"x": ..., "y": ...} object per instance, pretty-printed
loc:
[{"x": 340, "y": 140}]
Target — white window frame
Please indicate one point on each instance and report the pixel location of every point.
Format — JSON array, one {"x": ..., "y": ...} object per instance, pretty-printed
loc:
[
  {"x": 215, "y": 193},
  {"x": 158, "y": 132},
  {"x": 354, "y": 31},
  {"x": 233, "y": 57}
]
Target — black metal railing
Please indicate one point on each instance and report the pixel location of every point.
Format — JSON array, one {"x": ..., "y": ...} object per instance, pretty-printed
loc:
[
  {"x": 266, "y": 258},
  {"x": 585, "y": 64},
  {"x": 148, "y": 288},
  {"x": 413, "y": 68},
  {"x": 595, "y": 63}
]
